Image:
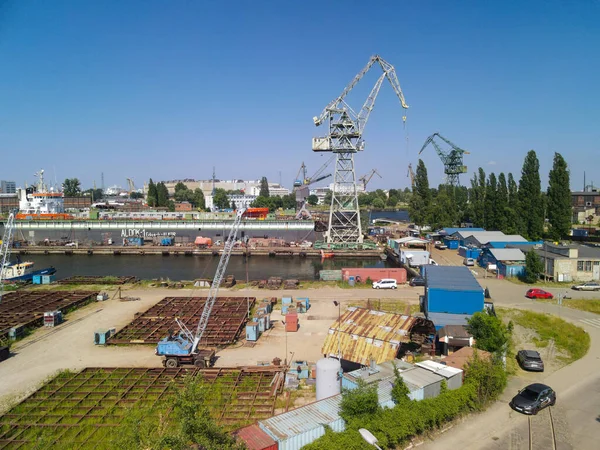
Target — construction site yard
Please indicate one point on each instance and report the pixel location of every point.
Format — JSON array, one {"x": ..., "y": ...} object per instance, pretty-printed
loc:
[{"x": 70, "y": 345}]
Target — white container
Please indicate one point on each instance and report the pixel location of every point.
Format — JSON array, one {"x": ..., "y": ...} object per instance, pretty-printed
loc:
[{"x": 328, "y": 382}]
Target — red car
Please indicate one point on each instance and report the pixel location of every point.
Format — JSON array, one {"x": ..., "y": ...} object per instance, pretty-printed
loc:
[{"x": 538, "y": 293}]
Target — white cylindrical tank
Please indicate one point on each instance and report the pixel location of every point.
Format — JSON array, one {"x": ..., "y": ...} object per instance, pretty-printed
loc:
[{"x": 328, "y": 383}]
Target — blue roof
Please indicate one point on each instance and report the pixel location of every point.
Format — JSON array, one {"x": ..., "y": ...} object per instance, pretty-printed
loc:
[
  {"x": 451, "y": 278},
  {"x": 450, "y": 231}
]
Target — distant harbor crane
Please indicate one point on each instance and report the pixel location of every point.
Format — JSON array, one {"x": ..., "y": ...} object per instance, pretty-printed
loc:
[
  {"x": 302, "y": 187},
  {"x": 366, "y": 178},
  {"x": 452, "y": 159},
  {"x": 411, "y": 174},
  {"x": 344, "y": 139}
]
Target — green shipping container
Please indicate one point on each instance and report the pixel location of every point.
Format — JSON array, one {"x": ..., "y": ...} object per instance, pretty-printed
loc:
[{"x": 330, "y": 275}]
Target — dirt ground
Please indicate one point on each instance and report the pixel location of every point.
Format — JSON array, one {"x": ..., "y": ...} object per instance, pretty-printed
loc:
[{"x": 71, "y": 344}]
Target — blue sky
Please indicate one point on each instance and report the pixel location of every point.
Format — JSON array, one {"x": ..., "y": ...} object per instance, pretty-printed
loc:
[{"x": 169, "y": 89}]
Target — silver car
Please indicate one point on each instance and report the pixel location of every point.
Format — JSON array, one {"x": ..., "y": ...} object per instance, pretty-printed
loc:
[{"x": 592, "y": 286}]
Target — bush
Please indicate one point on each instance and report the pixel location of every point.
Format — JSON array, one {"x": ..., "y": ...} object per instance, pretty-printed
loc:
[
  {"x": 489, "y": 332},
  {"x": 484, "y": 382},
  {"x": 359, "y": 402},
  {"x": 533, "y": 267}
]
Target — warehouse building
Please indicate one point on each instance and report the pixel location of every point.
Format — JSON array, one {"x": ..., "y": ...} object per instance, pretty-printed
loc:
[
  {"x": 452, "y": 294},
  {"x": 507, "y": 262}
]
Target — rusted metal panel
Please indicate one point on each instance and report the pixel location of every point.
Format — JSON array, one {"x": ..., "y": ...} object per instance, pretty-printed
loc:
[
  {"x": 228, "y": 317},
  {"x": 362, "y": 335},
  {"x": 27, "y": 308},
  {"x": 256, "y": 439},
  {"x": 79, "y": 279}
]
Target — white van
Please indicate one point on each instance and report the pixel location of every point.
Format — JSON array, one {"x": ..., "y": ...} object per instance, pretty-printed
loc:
[{"x": 385, "y": 283}]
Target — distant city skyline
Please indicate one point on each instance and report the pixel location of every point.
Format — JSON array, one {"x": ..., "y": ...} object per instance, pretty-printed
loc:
[{"x": 142, "y": 90}]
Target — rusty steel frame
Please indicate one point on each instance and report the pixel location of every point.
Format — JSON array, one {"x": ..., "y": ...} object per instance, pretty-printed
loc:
[
  {"x": 94, "y": 279},
  {"x": 84, "y": 408},
  {"x": 227, "y": 319},
  {"x": 26, "y": 308}
]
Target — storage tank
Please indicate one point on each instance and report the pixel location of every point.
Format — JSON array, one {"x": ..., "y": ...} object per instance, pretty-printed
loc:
[{"x": 328, "y": 384}]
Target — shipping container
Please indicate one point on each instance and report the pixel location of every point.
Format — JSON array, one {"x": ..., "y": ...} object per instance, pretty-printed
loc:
[
  {"x": 330, "y": 275},
  {"x": 48, "y": 279},
  {"x": 286, "y": 300},
  {"x": 452, "y": 289},
  {"x": 252, "y": 332},
  {"x": 451, "y": 243},
  {"x": 362, "y": 274},
  {"x": 37, "y": 279},
  {"x": 291, "y": 322}
]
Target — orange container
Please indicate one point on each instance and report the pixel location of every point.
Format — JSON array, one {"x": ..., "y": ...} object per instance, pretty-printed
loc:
[{"x": 291, "y": 322}]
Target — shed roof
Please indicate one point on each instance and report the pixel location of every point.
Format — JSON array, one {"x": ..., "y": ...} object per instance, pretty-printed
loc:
[
  {"x": 461, "y": 357},
  {"x": 255, "y": 438},
  {"x": 443, "y": 319},
  {"x": 453, "y": 278},
  {"x": 449, "y": 231},
  {"x": 300, "y": 420},
  {"x": 585, "y": 251},
  {"x": 454, "y": 331},
  {"x": 439, "y": 369},
  {"x": 383, "y": 371},
  {"x": 420, "y": 377},
  {"x": 366, "y": 334},
  {"x": 507, "y": 254},
  {"x": 411, "y": 240}
]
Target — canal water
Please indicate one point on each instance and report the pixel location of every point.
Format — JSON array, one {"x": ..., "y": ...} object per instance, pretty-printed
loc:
[{"x": 191, "y": 267}]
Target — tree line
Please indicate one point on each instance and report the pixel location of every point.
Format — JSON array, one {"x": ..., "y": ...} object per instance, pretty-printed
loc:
[{"x": 499, "y": 202}]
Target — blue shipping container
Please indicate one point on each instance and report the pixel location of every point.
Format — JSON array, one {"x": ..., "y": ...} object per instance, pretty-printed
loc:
[
  {"x": 451, "y": 289},
  {"x": 287, "y": 300},
  {"x": 252, "y": 332},
  {"x": 37, "y": 279},
  {"x": 452, "y": 244},
  {"x": 305, "y": 301},
  {"x": 47, "y": 279}
]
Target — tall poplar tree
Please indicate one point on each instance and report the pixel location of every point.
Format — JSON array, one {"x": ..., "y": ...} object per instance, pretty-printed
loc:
[
  {"x": 420, "y": 203},
  {"x": 501, "y": 206},
  {"x": 152, "y": 193},
  {"x": 478, "y": 188},
  {"x": 490, "y": 203},
  {"x": 264, "y": 187},
  {"x": 512, "y": 215},
  {"x": 559, "y": 198},
  {"x": 531, "y": 209}
]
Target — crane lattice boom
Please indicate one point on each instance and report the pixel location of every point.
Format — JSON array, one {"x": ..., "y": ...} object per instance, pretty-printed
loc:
[
  {"x": 452, "y": 159},
  {"x": 344, "y": 139},
  {"x": 5, "y": 248},
  {"x": 219, "y": 274}
]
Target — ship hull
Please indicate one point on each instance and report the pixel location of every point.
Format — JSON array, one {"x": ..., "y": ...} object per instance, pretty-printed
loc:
[{"x": 29, "y": 276}]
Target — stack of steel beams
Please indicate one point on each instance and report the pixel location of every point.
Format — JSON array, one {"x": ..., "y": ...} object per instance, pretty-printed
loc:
[{"x": 228, "y": 317}]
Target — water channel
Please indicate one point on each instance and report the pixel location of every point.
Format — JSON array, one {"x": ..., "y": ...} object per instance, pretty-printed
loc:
[{"x": 191, "y": 267}]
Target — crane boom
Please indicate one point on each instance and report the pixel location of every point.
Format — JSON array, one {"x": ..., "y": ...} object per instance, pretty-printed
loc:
[
  {"x": 389, "y": 72},
  {"x": 219, "y": 274},
  {"x": 5, "y": 248}
]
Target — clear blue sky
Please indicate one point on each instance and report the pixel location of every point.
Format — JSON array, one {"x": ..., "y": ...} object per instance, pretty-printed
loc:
[{"x": 167, "y": 89}]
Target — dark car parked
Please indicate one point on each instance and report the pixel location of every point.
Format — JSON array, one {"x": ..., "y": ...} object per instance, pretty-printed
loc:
[
  {"x": 417, "y": 281},
  {"x": 530, "y": 360},
  {"x": 533, "y": 398}
]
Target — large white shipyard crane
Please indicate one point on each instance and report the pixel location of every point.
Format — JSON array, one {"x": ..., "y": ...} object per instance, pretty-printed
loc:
[
  {"x": 346, "y": 128},
  {"x": 7, "y": 238},
  {"x": 183, "y": 349}
]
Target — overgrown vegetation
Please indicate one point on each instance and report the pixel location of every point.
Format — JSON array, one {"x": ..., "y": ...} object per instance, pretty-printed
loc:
[
  {"x": 569, "y": 339},
  {"x": 489, "y": 332},
  {"x": 393, "y": 427}
]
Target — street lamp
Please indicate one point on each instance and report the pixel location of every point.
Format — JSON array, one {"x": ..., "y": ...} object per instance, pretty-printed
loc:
[
  {"x": 368, "y": 437},
  {"x": 339, "y": 305},
  {"x": 286, "y": 351}
]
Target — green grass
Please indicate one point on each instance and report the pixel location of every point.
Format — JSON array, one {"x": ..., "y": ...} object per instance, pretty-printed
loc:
[
  {"x": 588, "y": 305},
  {"x": 569, "y": 339}
]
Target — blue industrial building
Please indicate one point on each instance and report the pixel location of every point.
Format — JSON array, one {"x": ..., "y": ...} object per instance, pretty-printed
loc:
[
  {"x": 509, "y": 262},
  {"x": 451, "y": 290}
]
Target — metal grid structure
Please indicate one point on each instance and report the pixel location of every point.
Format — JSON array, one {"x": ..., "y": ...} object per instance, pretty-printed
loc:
[
  {"x": 82, "y": 409},
  {"x": 227, "y": 319},
  {"x": 81, "y": 279},
  {"x": 26, "y": 308}
]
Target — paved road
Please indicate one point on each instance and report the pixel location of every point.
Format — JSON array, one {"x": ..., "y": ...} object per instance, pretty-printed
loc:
[{"x": 577, "y": 413}]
